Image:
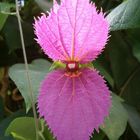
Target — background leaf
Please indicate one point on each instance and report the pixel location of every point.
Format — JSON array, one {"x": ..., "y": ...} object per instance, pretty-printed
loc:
[
  {"x": 5, "y": 123},
  {"x": 122, "y": 61},
  {"x": 116, "y": 123},
  {"x": 98, "y": 136},
  {"x": 126, "y": 15},
  {"x": 4, "y": 11},
  {"x": 133, "y": 39},
  {"x": 104, "y": 72},
  {"x": 1, "y": 109},
  {"x": 125, "y": 69},
  {"x": 37, "y": 70},
  {"x": 44, "y": 5},
  {"x": 3, "y": 18},
  {"x": 12, "y": 36},
  {"x": 27, "y": 131},
  {"x": 133, "y": 119},
  {"x": 5, "y": 7},
  {"x": 22, "y": 128}
]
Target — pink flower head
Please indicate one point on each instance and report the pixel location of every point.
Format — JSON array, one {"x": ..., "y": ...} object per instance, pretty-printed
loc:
[{"x": 73, "y": 100}]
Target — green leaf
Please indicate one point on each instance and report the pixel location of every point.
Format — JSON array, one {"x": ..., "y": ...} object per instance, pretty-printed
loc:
[
  {"x": 126, "y": 15},
  {"x": 102, "y": 63},
  {"x": 116, "y": 123},
  {"x": 6, "y": 138},
  {"x": 23, "y": 128},
  {"x": 133, "y": 38},
  {"x": 3, "y": 18},
  {"x": 136, "y": 50},
  {"x": 1, "y": 109},
  {"x": 37, "y": 71},
  {"x": 12, "y": 35},
  {"x": 98, "y": 136},
  {"x": 5, "y": 122},
  {"x": 130, "y": 91},
  {"x": 44, "y": 5},
  {"x": 122, "y": 61},
  {"x": 125, "y": 69},
  {"x": 6, "y": 59},
  {"x": 133, "y": 119},
  {"x": 104, "y": 72},
  {"x": 5, "y": 7}
]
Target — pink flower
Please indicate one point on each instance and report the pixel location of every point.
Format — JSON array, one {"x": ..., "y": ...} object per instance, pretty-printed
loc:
[{"x": 73, "y": 100}]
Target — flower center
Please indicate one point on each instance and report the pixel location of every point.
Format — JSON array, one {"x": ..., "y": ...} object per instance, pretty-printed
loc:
[{"x": 72, "y": 66}]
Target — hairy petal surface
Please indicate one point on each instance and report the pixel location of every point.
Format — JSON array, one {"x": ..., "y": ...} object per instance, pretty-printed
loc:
[
  {"x": 74, "y": 107},
  {"x": 46, "y": 30},
  {"x": 84, "y": 31},
  {"x": 75, "y": 31}
]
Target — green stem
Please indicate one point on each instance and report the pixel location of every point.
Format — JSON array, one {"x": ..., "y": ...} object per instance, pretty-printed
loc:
[
  {"x": 8, "y": 13},
  {"x": 27, "y": 72}
]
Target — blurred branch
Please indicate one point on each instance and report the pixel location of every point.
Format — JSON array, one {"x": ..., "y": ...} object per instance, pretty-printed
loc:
[
  {"x": 4, "y": 84},
  {"x": 27, "y": 71},
  {"x": 16, "y": 96},
  {"x": 4, "y": 89},
  {"x": 8, "y": 13},
  {"x": 128, "y": 80}
]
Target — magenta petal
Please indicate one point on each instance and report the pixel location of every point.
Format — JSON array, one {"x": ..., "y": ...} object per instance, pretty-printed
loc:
[
  {"x": 74, "y": 107},
  {"x": 72, "y": 30},
  {"x": 84, "y": 30},
  {"x": 46, "y": 30}
]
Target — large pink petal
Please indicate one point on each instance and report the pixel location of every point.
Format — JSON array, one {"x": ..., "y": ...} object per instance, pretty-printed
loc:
[
  {"x": 46, "y": 30},
  {"x": 74, "y": 107},
  {"x": 74, "y": 30},
  {"x": 84, "y": 31}
]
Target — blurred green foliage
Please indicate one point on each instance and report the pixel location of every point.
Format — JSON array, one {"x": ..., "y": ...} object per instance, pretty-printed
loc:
[{"x": 119, "y": 64}]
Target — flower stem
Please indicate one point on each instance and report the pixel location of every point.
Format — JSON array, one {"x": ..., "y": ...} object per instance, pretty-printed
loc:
[{"x": 27, "y": 71}]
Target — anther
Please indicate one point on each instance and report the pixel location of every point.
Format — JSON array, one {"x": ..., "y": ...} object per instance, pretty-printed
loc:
[{"x": 72, "y": 66}]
